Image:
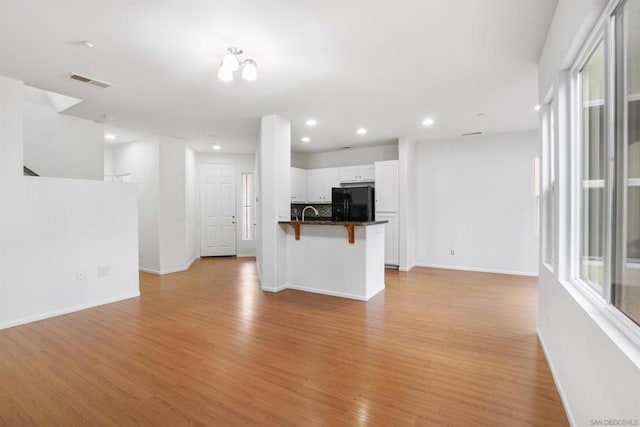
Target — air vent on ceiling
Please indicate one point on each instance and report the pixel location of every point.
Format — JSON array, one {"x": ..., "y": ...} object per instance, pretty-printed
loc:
[
  {"x": 89, "y": 80},
  {"x": 471, "y": 133}
]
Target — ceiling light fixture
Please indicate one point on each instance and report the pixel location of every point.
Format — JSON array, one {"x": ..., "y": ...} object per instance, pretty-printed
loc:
[
  {"x": 110, "y": 136},
  {"x": 428, "y": 122},
  {"x": 305, "y": 139},
  {"x": 311, "y": 122},
  {"x": 537, "y": 107},
  {"x": 232, "y": 63},
  {"x": 87, "y": 43},
  {"x": 361, "y": 131},
  {"x": 216, "y": 147}
]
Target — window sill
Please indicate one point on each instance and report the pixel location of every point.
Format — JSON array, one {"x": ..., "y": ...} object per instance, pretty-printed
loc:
[{"x": 621, "y": 331}]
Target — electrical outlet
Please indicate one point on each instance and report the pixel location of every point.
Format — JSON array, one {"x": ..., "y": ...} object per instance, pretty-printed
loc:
[
  {"x": 103, "y": 271},
  {"x": 453, "y": 252},
  {"x": 80, "y": 275}
]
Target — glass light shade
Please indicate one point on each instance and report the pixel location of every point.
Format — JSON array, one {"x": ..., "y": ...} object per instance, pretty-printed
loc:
[
  {"x": 225, "y": 74},
  {"x": 230, "y": 62},
  {"x": 250, "y": 71}
]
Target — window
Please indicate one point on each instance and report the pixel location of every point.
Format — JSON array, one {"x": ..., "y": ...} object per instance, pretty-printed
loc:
[
  {"x": 536, "y": 190},
  {"x": 591, "y": 83},
  {"x": 626, "y": 198},
  {"x": 607, "y": 155},
  {"x": 549, "y": 192},
  {"x": 247, "y": 219}
]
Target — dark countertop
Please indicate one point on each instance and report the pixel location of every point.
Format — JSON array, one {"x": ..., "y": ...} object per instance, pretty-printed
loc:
[{"x": 325, "y": 222}]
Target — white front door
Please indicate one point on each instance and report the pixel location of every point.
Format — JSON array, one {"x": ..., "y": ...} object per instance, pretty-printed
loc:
[{"x": 217, "y": 210}]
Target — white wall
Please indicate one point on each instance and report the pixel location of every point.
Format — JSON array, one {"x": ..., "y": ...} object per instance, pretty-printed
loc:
[
  {"x": 571, "y": 23},
  {"x": 475, "y": 196},
  {"x": 274, "y": 159},
  {"x": 164, "y": 169},
  {"x": 596, "y": 366},
  {"x": 244, "y": 163},
  {"x": 108, "y": 160},
  {"x": 351, "y": 157},
  {"x": 191, "y": 201},
  {"x": 172, "y": 205},
  {"x": 408, "y": 204},
  {"x": 141, "y": 159},
  {"x": 51, "y": 229},
  {"x": 57, "y": 145}
]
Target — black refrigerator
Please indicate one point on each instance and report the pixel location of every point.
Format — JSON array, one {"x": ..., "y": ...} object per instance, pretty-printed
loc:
[{"x": 356, "y": 204}]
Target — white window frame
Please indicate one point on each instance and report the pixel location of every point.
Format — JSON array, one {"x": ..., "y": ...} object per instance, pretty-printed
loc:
[
  {"x": 549, "y": 182},
  {"x": 578, "y": 184},
  {"x": 617, "y": 325}
]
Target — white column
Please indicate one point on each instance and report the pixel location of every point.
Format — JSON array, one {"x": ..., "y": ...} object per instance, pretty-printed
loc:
[
  {"x": 274, "y": 163},
  {"x": 10, "y": 177},
  {"x": 407, "y": 209}
]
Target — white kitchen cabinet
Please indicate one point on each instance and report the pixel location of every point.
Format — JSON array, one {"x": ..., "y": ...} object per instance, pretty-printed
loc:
[
  {"x": 391, "y": 234},
  {"x": 314, "y": 185},
  {"x": 298, "y": 185},
  {"x": 319, "y": 184},
  {"x": 331, "y": 179},
  {"x": 386, "y": 179},
  {"x": 367, "y": 173},
  {"x": 363, "y": 173}
]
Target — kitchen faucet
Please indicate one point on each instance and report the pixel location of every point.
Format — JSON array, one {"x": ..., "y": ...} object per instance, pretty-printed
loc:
[{"x": 309, "y": 207}]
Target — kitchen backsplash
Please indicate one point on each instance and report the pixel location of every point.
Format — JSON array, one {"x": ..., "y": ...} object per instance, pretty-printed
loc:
[{"x": 324, "y": 210}]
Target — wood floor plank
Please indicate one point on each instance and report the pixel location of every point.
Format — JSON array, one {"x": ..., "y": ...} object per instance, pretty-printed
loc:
[{"x": 208, "y": 347}]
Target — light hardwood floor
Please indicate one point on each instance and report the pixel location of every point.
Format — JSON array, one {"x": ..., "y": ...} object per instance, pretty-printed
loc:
[{"x": 208, "y": 347}]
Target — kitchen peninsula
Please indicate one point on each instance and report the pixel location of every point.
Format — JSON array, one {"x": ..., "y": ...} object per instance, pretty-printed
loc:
[{"x": 344, "y": 259}]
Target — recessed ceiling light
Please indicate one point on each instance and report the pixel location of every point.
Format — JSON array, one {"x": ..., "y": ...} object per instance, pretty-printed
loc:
[
  {"x": 311, "y": 122},
  {"x": 361, "y": 131},
  {"x": 537, "y": 107},
  {"x": 305, "y": 139},
  {"x": 110, "y": 136},
  {"x": 428, "y": 122},
  {"x": 87, "y": 43},
  {"x": 216, "y": 147}
]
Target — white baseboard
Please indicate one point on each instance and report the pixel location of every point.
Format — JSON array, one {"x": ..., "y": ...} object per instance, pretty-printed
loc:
[
  {"x": 375, "y": 292},
  {"x": 563, "y": 396},
  {"x": 278, "y": 289},
  {"x": 195, "y": 258},
  {"x": 67, "y": 310},
  {"x": 246, "y": 255},
  {"x": 173, "y": 270},
  {"x": 332, "y": 293},
  {"x": 405, "y": 268},
  {"x": 478, "y": 269}
]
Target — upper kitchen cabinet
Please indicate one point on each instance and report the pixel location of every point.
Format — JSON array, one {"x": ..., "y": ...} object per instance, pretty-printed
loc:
[
  {"x": 386, "y": 179},
  {"x": 363, "y": 173},
  {"x": 298, "y": 185},
  {"x": 319, "y": 184}
]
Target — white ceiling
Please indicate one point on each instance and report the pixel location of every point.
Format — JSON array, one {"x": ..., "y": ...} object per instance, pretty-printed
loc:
[{"x": 382, "y": 65}]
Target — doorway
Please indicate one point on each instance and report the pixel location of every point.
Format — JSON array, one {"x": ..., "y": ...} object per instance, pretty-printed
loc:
[{"x": 217, "y": 210}]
